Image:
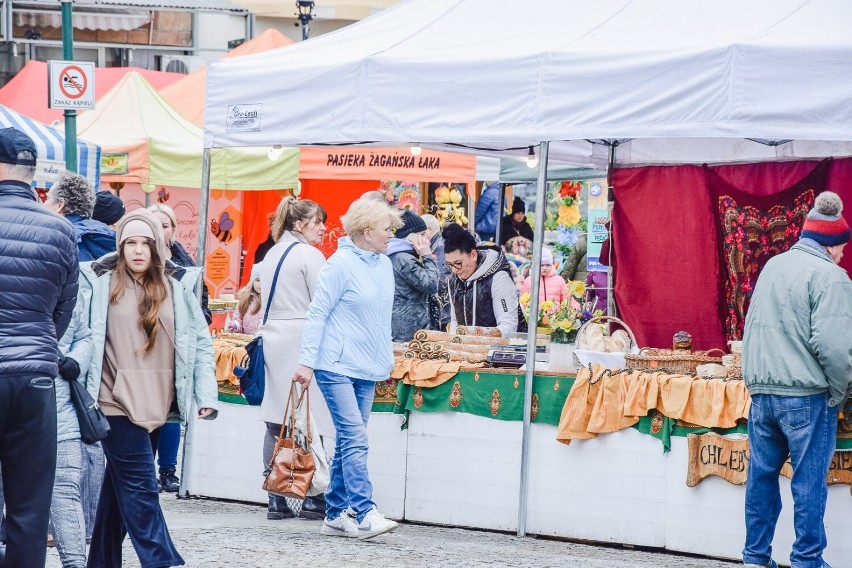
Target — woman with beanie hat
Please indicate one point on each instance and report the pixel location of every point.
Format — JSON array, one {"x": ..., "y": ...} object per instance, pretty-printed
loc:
[
  {"x": 515, "y": 224},
  {"x": 167, "y": 448},
  {"x": 108, "y": 209},
  {"x": 153, "y": 359},
  {"x": 797, "y": 366},
  {"x": 415, "y": 274}
]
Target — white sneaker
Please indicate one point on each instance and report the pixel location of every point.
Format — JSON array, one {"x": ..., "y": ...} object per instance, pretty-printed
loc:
[
  {"x": 343, "y": 525},
  {"x": 375, "y": 524}
]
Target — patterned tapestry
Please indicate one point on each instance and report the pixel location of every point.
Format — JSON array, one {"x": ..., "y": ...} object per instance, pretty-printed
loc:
[{"x": 751, "y": 230}]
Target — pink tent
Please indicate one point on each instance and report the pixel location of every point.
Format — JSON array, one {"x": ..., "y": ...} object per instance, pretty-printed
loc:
[{"x": 26, "y": 93}]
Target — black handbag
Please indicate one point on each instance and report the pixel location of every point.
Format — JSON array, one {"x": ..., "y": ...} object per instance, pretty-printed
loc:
[
  {"x": 251, "y": 372},
  {"x": 93, "y": 424}
]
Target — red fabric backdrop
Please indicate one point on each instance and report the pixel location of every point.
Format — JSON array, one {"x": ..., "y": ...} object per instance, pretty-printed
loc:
[
  {"x": 335, "y": 196},
  {"x": 668, "y": 270}
]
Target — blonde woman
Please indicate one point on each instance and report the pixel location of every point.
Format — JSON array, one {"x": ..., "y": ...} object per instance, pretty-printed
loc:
[
  {"x": 346, "y": 345},
  {"x": 298, "y": 226},
  {"x": 153, "y": 359}
]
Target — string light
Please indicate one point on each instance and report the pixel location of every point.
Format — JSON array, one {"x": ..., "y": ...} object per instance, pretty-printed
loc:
[
  {"x": 532, "y": 160},
  {"x": 275, "y": 152}
]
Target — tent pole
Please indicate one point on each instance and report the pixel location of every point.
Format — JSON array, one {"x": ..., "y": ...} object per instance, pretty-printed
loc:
[
  {"x": 532, "y": 334},
  {"x": 186, "y": 461},
  {"x": 501, "y": 208},
  {"x": 610, "y": 281}
]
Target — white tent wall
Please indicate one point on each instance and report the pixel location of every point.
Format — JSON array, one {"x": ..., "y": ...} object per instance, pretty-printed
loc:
[{"x": 705, "y": 81}]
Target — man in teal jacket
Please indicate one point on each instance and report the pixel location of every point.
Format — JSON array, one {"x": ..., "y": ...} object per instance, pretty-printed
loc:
[{"x": 797, "y": 365}]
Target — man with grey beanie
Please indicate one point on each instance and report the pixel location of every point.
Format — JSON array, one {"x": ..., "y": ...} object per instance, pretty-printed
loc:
[{"x": 797, "y": 366}]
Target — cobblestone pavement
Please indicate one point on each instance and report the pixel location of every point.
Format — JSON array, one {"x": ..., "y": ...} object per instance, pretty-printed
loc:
[{"x": 237, "y": 535}]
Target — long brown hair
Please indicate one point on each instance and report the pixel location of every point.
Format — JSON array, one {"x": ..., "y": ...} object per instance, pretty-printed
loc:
[
  {"x": 153, "y": 284},
  {"x": 244, "y": 296}
]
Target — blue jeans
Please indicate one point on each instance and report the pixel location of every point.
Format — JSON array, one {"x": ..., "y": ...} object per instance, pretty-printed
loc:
[
  {"x": 130, "y": 501},
  {"x": 349, "y": 401},
  {"x": 805, "y": 428},
  {"x": 167, "y": 448},
  {"x": 67, "y": 523}
]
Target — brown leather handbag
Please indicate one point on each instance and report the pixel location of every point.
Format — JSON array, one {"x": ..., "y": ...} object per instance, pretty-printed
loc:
[{"x": 292, "y": 467}]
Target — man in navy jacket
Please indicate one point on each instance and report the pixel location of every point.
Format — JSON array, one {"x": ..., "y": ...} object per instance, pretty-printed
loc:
[{"x": 38, "y": 291}]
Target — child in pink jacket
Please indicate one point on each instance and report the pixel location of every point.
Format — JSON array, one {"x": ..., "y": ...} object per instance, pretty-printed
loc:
[{"x": 552, "y": 286}]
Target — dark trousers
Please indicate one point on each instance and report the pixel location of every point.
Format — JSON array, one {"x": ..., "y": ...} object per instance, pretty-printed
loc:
[
  {"x": 167, "y": 448},
  {"x": 130, "y": 501},
  {"x": 28, "y": 458}
]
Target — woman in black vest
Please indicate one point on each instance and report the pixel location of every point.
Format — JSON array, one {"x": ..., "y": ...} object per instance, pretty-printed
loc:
[{"x": 482, "y": 291}]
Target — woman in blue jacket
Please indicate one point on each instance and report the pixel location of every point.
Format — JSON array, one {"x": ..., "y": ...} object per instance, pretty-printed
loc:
[
  {"x": 153, "y": 358},
  {"x": 346, "y": 345}
]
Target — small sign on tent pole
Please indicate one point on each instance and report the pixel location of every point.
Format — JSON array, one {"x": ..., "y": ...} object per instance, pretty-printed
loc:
[{"x": 71, "y": 85}]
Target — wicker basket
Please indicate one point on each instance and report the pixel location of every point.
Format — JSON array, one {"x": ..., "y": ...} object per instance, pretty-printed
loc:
[
  {"x": 651, "y": 359},
  {"x": 610, "y": 319}
]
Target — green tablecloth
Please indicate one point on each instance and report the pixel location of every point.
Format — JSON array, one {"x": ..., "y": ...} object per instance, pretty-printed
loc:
[{"x": 500, "y": 396}]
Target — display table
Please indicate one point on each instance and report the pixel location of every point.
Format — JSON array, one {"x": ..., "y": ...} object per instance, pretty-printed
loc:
[{"x": 458, "y": 463}]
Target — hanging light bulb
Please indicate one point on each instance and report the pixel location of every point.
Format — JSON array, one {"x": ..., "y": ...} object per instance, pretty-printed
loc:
[
  {"x": 275, "y": 152},
  {"x": 532, "y": 160},
  {"x": 416, "y": 150}
]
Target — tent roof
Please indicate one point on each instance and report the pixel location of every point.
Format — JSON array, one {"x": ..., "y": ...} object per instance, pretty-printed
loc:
[
  {"x": 26, "y": 92},
  {"x": 444, "y": 72},
  {"x": 50, "y": 146},
  {"x": 187, "y": 94},
  {"x": 164, "y": 148}
]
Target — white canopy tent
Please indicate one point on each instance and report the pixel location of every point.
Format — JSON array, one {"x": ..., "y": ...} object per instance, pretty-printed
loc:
[
  {"x": 632, "y": 82},
  {"x": 474, "y": 73}
]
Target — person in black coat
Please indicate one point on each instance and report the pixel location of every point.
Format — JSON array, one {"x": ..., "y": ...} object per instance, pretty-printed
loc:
[
  {"x": 39, "y": 278},
  {"x": 516, "y": 225}
]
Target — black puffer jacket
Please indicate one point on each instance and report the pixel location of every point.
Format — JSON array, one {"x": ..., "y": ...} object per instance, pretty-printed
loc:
[{"x": 38, "y": 282}]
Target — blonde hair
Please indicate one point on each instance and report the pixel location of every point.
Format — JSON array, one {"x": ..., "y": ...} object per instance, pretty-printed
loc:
[
  {"x": 170, "y": 213},
  {"x": 291, "y": 211},
  {"x": 431, "y": 222},
  {"x": 366, "y": 214},
  {"x": 244, "y": 296}
]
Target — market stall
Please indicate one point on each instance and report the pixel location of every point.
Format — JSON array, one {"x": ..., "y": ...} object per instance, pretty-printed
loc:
[
  {"x": 711, "y": 82},
  {"x": 50, "y": 145}
]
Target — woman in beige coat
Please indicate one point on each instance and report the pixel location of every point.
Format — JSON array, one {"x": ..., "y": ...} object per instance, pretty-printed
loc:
[{"x": 298, "y": 221}]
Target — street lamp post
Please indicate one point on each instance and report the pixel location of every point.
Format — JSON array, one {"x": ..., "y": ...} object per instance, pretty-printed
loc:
[
  {"x": 305, "y": 8},
  {"x": 70, "y": 114}
]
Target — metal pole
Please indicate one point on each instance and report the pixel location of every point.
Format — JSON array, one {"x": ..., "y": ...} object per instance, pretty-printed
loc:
[
  {"x": 501, "y": 208},
  {"x": 610, "y": 276},
  {"x": 532, "y": 334},
  {"x": 200, "y": 254},
  {"x": 7, "y": 21},
  {"x": 70, "y": 115}
]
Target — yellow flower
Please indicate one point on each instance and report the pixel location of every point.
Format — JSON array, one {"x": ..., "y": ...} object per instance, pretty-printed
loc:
[
  {"x": 577, "y": 288},
  {"x": 525, "y": 298},
  {"x": 547, "y": 305},
  {"x": 568, "y": 215}
]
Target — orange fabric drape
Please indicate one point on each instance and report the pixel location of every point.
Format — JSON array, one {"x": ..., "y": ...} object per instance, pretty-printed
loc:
[
  {"x": 335, "y": 196},
  {"x": 256, "y": 206}
]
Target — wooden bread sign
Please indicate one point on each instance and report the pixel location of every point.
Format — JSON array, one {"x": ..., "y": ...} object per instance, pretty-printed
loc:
[{"x": 728, "y": 458}]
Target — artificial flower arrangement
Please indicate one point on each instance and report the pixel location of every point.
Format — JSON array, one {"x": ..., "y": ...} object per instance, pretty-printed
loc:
[{"x": 562, "y": 320}]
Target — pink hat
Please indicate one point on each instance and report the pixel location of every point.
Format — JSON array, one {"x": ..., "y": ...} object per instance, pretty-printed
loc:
[{"x": 546, "y": 256}]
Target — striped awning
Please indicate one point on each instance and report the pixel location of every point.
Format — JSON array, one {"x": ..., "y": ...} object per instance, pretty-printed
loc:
[
  {"x": 50, "y": 144},
  {"x": 83, "y": 21}
]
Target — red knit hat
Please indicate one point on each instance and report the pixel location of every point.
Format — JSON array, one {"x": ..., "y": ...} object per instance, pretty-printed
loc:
[{"x": 824, "y": 223}]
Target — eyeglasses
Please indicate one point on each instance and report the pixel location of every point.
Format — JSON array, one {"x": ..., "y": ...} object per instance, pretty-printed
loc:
[{"x": 457, "y": 265}]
